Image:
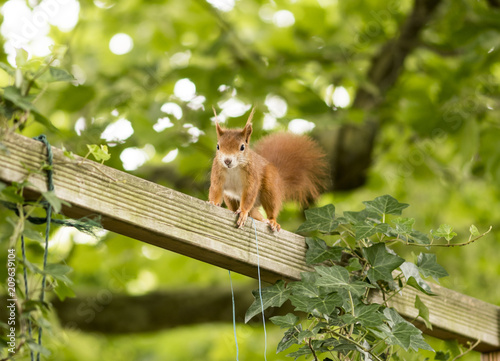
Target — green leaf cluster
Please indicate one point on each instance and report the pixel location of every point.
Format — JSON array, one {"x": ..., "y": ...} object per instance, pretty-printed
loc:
[
  {"x": 352, "y": 260},
  {"x": 29, "y": 79}
]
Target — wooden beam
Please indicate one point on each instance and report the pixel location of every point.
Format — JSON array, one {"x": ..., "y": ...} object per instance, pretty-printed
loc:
[
  {"x": 491, "y": 356},
  {"x": 155, "y": 214},
  {"x": 177, "y": 222}
]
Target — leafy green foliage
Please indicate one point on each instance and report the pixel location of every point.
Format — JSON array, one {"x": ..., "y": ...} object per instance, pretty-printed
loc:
[
  {"x": 428, "y": 266},
  {"x": 320, "y": 252},
  {"x": 32, "y": 310},
  {"x": 100, "y": 152},
  {"x": 385, "y": 204},
  {"x": 444, "y": 231},
  {"x": 28, "y": 77},
  {"x": 437, "y": 144},
  {"x": 423, "y": 312},
  {"x": 321, "y": 219},
  {"x": 273, "y": 296},
  {"x": 342, "y": 317},
  {"x": 383, "y": 262}
]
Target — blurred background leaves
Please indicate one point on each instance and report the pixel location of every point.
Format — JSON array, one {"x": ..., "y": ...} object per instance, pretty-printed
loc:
[{"x": 403, "y": 95}]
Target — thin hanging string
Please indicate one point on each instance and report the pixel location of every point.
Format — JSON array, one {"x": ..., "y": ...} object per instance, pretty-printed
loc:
[
  {"x": 234, "y": 316},
  {"x": 260, "y": 290},
  {"x": 26, "y": 291},
  {"x": 50, "y": 187}
]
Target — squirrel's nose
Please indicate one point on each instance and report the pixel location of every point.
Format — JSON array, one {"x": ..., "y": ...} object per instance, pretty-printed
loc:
[{"x": 227, "y": 161}]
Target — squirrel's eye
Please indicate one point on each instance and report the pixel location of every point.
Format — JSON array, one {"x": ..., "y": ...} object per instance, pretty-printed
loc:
[
  {"x": 217, "y": 146},
  {"x": 242, "y": 148}
]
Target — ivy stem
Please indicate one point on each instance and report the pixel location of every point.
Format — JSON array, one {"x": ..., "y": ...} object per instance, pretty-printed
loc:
[
  {"x": 471, "y": 347},
  {"x": 353, "y": 314},
  {"x": 312, "y": 350},
  {"x": 471, "y": 240}
]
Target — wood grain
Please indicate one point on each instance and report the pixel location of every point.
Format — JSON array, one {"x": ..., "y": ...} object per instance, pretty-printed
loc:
[{"x": 177, "y": 222}]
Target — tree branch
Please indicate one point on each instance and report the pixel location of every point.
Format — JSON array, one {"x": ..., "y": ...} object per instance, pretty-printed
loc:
[
  {"x": 110, "y": 313},
  {"x": 351, "y": 157},
  {"x": 387, "y": 65}
]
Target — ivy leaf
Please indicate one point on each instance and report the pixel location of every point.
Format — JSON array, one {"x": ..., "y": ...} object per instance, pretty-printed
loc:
[
  {"x": 336, "y": 277},
  {"x": 14, "y": 95},
  {"x": 287, "y": 321},
  {"x": 272, "y": 296},
  {"x": 318, "y": 251},
  {"x": 305, "y": 334},
  {"x": 306, "y": 350},
  {"x": 445, "y": 231},
  {"x": 320, "y": 219},
  {"x": 54, "y": 201},
  {"x": 58, "y": 74},
  {"x": 442, "y": 356},
  {"x": 58, "y": 271},
  {"x": 386, "y": 204},
  {"x": 35, "y": 347},
  {"x": 382, "y": 263},
  {"x": 368, "y": 229},
  {"x": 428, "y": 266},
  {"x": 354, "y": 265},
  {"x": 474, "y": 231},
  {"x": 300, "y": 302},
  {"x": 404, "y": 226},
  {"x": 332, "y": 277},
  {"x": 21, "y": 57},
  {"x": 63, "y": 291},
  {"x": 303, "y": 351},
  {"x": 413, "y": 278},
  {"x": 316, "y": 305},
  {"x": 403, "y": 333},
  {"x": 409, "y": 337},
  {"x": 325, "y": 305},
  {"x": 419, "y": 237},
  {"x": 423, "y": 312},
  {"x": 367, "y": 315},
  {"x": 100, "y": 153},
  {"x": 361, "y": 216},
  {"x": 290, "y": 338},
  {"x": 9, "y": 194},
  {"x": 305, "y": 288},
  {"x": 32, "y": 233}
]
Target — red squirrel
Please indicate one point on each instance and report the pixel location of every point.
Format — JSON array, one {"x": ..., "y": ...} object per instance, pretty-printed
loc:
[{"x": 283, "y": 166}]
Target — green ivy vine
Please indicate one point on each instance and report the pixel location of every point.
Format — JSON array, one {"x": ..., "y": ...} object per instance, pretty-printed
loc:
[{"x": 343, "y": 320}]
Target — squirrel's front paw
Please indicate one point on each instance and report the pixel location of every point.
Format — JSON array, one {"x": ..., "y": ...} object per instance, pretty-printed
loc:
[
  {"x": 273, "y": 225},
  {"x": 242, "y": 218},
  {"x": 213, "y": 203}
]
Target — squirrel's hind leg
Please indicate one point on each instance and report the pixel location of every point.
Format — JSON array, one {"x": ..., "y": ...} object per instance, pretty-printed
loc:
[
  {"x": 232, "y": 204},
  {"x": 272, "y": 208},
  {"x": 255, "y": 214}
]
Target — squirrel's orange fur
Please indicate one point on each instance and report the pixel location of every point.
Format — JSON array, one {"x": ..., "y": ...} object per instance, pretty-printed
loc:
[{"x": 283, "y": 166}]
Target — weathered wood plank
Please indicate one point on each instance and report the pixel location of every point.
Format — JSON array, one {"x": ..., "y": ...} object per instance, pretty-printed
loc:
[
  {"x": 174, "y": 221},
  {"x": 453, "y": 316},
  {"x": 491, "y": 356},
  {"x": 157, "y": 215}
]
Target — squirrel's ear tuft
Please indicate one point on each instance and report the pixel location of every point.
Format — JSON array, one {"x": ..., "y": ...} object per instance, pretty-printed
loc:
[
  {"x": 220, "y": 131},
  {"x": 247, "y": 131},
  {"x": 249, "y": 121}
]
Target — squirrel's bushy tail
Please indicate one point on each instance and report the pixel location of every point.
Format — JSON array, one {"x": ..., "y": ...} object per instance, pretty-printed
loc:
[{"x": 301, "y": 164}]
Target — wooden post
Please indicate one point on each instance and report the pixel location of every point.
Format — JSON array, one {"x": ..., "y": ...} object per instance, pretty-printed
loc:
[
  {"x": 490, "y": 356},
  {"x": 174, "y": 221}
]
